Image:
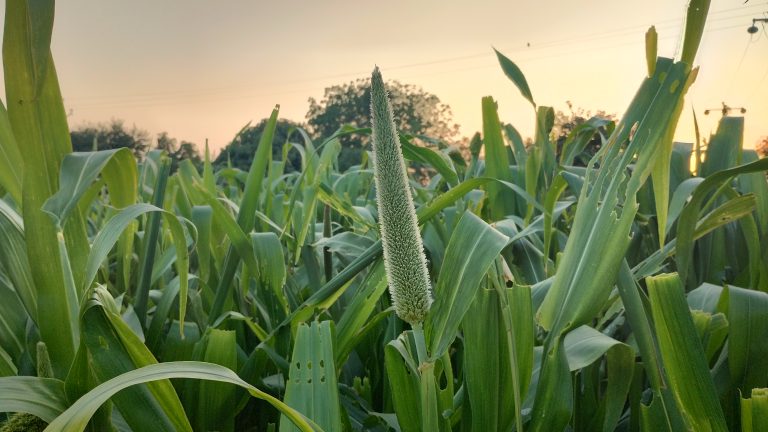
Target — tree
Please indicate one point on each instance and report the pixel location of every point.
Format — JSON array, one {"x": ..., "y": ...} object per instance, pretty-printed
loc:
[
  {"x": 112, "y": 135},
  {"x": 762, "y": 147},
  {"x": 178, "y": 152},
  {"x": 242, "y": 148},
  {"x": 416, "y": 112},
  {"x": 579, "y": 120}
]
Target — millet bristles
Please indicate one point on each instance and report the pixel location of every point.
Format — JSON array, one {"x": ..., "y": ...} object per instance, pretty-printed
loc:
[{"x": 404, "y": 260}]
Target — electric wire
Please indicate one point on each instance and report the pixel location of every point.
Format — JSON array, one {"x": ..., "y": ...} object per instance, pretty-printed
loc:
[
  {"x": 152, "y": 101},
  {"x": 183, "y": 97}
]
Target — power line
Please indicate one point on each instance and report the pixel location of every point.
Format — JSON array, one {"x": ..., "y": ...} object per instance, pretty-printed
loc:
[
  {"x": 611, "y": 34},
  {"x": 758, "y": 86},
  {"x": 160, "y": 100},
  {"x": 741, "y": 60},
  {"x": 111, "y": 100}
]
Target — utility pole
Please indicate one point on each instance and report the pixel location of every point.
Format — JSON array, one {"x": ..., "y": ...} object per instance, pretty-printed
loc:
[
  {"x": 725, "y": 109},
  {"x": 753, "y": 28}
]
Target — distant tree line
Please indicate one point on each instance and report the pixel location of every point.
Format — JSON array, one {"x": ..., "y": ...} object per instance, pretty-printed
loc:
[
  {"x": 416, "y": 111},
  {"x": 239, "y": 153},
  {"x": 114, "y": 135}
]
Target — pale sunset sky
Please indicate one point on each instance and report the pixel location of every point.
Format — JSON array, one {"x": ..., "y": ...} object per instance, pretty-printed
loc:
[{"x": 202, "y": 69}]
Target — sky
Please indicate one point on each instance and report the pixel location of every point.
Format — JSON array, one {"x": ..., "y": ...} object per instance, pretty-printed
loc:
[{"x": 202, "y": 69}]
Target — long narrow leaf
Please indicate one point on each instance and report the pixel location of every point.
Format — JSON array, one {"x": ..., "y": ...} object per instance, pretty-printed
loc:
[{"x": 76, "y": 417}]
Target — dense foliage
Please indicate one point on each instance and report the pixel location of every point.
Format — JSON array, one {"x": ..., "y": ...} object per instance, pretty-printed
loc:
[
  {"x": 113, "y": 135},
  {"x": 240, "y": 152},
  {"x": 416, "y": 111},
  {"x": 628, "y": 294}
]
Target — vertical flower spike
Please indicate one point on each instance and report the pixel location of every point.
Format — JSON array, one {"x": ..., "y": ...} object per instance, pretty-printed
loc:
[{"x": 404, "y": 259}]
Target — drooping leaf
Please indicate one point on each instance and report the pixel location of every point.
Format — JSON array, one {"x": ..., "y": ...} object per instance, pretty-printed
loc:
[
  {"x": 78, "y": 172},
  {"x": 75, "y": 418},
  {"x": 686, "y": 225},
  {"x": 114, "y": 349},
  {"x": 584, "y": 346},
  {"x": 516, "y": 75},
  {"x": 42, "y": 397}
]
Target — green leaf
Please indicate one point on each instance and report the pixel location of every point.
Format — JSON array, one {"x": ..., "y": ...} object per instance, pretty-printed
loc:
[
  {"x": 731, "y": 210},
  {"x": 155, "y": 329},
  {"x": 39, "y": 121},
  {"x": 121, "y": 178},
  {"x": 202, "y": 218},
  {"x": 500, "y": 200},
  {"x": 311, "y": 388},
  {"x": 342, "y": 206},
  {"x": 639, "y": 319},
  {"x": 359, "y": 310},
  {"x": 755, "y": 183},
  {"x": 558, "y": 186},
  {"x": 747, "y": 336},
  {"x": 208, "y": 178},
  {"x": 13, "y": 325},
  {"x": 79, "y": 171},
  {"x": 695, "y": 19},
  {"x": 150, "y": 239},
  {"x": 516, "y": 75},
  {"x": 545, "y": 121},
  {"x": 7, "y": 368},
  {"x": 683, "y": 356},
  {"x": 307, "y": 217},
  {"x": 724, "y": 147},
  {"x": 424, "y": 214},
  {"x": 11, "y": 164},
  {"x": 580, "y": 136},
  {"x": 680, "y": 198},
  {"x": 428, "y": 390},
  {"x": 488, "y": 366},
  {"x": 114, "y": 349},
  {"x": 403, "y": 376},
  {"x": 42, "y": 397},
  {"x": 246, "y": 217},
  {"x": 754, "y": 411},
  {"x": 471, "y": 251},
  {"x": 439, "y": 161},
  {"x": 553, "y": 403},
  {"x": 660, "y": 174},
  {"x": 238, "y": 238},
  {"x": 705, "y": 298},
  {"x": 76, "y": 417},
  {"x": 210, "y": 404},
  {"x": 272, "y": 270},
  {"x": 651, "y": 48},
  {"x": 599, "y": 236},
  {"x": 686, "y": 225},
  {"x": 13, "y": 258},
  {"x": 111, "y": 232},
  {"x": 585, "y": 345}
]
